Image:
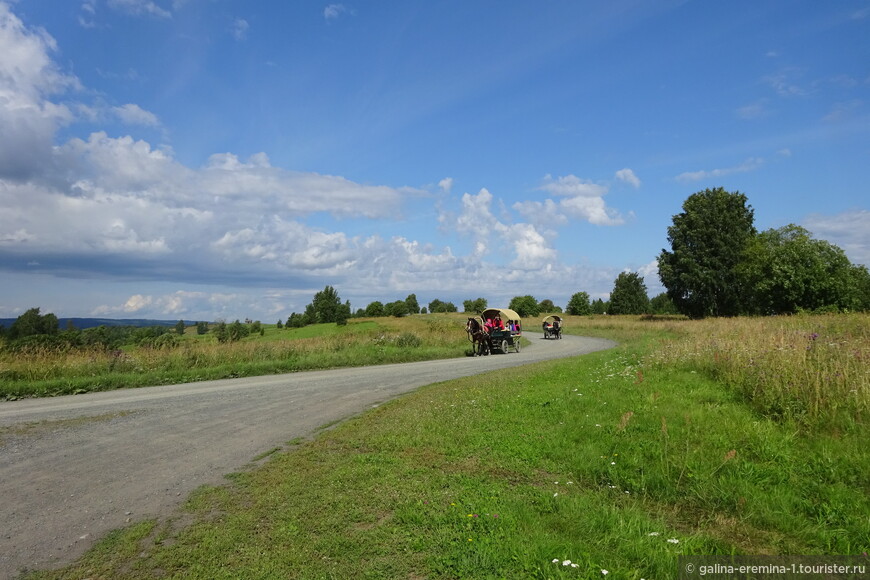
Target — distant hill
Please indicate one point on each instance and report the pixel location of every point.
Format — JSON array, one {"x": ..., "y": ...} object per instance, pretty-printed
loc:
[{"x": 83, "y": 323}]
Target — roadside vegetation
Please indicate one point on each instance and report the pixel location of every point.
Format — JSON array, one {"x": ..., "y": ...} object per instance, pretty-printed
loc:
[
  {"x": 731, "y": 435},
  {"x": 37, "y": 370}
]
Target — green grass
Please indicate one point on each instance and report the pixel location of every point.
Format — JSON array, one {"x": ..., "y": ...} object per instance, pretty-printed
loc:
[{"x": 616, "y": 461}]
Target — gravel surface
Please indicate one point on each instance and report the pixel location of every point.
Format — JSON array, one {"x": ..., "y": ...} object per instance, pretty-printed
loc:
[{"x": 74, "y": 468}]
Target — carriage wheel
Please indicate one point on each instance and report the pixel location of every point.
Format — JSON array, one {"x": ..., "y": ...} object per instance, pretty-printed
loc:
[
  {"x": 517, "y": 345},
  {"x": 504, "y": 346}
]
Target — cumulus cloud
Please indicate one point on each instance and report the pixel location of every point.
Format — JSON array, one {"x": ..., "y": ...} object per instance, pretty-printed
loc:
[
  {"x": 135, "y": 115},
  {"x": 28, "y": 77},
  {"x": 628, "y": 176},
  {"x": 750, "y": 164},
  {"x": 530, "y": 248},
  {"x": 579, "y": 199}
]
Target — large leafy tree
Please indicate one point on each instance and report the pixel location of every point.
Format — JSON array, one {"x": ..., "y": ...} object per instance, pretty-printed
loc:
[
  {"x": 399, "y": 308},
  {"x": 525, "y": 306},
  {"x": 326, "y": 307},
  {"x": 785, "y": 270},
  {"x": 579, "y": 304},
  {"x": 629, "y": 294},
  {"x": 375, "y": 308},
  {"x": 708, "y": 240}
]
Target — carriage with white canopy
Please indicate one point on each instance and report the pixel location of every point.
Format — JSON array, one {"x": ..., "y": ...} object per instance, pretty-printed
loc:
[{"x": 506, "y": 328}]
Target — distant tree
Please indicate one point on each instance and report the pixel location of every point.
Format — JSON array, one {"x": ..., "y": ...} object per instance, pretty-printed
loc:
[
  {"x": 342, "y": 314},
  {"x": 547, "y": 306},
  {"x": 257, "y": 327},
  {"x": 474, "y": 306},
  {"x": 398, "y": 308},
  {"x": 662, "y": 304},
  {"x": 525, "y": 306},
  {"x": 296, "y": 320},
  {"x": 413, "y": 305},
  {"x": 179, "y": 327},
  {"x": 202, "y": 327},
  {"x": 579, "y": 305},
  {"x": 785, "y": 271},
  {"x": 375, "y": 309},
  {"x": 279, "y": 325},
  {"x": 599, "y": 306},
  {"x": 629, "y": 294},
  {"x": 708, "y": 241},
  {"x": 441, "y": 307},
  {"x": 220, "y": 331},
  {"x": 32, "y": 323},
  {"x": 326, "y": 306},
  {"x": 238, "y": 331},
  {"x": 423, "y": 310}
]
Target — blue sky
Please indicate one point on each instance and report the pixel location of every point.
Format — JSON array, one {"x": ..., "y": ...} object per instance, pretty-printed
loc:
[{"x": 206, "y": 159}]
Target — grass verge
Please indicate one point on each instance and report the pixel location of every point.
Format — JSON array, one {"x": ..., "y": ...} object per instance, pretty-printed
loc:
[{"x": 618, "y": 461}]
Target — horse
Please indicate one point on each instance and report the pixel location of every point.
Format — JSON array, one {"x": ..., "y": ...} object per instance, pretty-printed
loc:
[{"x": 478, "y": 337}]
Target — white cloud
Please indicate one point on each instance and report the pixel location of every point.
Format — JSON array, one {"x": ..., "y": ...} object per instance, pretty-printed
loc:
[
  {"x": 784, "y": 83},
  {"x": 135, "y": 115},
  {"x": 28, "y": 77},
  {"x": 580, "y": 199},
  {"x": 628, "y": 176},
  {"x": 446, "y": 184},
  {"x": 849, "y": 230},
  {"x": 140, "y": 7},
  {"x": 240, "y": 29},
  {"x": 333, "y": 11},
  {"x": 750, "y": 164},
  {"x": 572, "y": 186},
  {"x": 756, "y": 110}
]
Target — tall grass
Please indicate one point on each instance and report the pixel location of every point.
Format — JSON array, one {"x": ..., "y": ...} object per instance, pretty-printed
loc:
[
  {"x": 46, "y": 371},
  {"x": 812, "y": 370}
]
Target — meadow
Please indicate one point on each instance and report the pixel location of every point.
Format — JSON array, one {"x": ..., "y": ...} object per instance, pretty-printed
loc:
[{"x": 724, "y": 436}]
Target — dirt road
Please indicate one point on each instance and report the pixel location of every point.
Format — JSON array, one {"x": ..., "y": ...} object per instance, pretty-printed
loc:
[{"x": 73, "y": 468}]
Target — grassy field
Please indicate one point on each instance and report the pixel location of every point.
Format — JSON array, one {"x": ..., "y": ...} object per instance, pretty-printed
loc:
[
  {"x": 49, "y": 372},
  {"x": 728, "y": 436}
]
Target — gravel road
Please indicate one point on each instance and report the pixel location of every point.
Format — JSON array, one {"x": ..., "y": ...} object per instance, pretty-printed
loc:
[{"x": 74, "y": 468}]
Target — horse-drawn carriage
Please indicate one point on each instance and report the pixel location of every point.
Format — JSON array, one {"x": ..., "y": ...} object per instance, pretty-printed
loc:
[
  {"x": 496, "y": 330},
  {"x": 552, "y": 326}
]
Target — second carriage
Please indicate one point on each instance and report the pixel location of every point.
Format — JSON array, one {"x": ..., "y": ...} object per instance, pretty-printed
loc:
[
  {"x": 504, "y": 329},
  {"x": 552, "y": 326}
]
